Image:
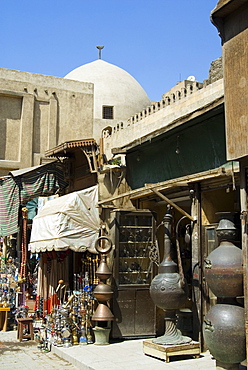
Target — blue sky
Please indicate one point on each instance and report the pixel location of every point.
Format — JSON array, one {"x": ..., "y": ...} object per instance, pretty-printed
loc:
[{"x": 159, "y": 42}]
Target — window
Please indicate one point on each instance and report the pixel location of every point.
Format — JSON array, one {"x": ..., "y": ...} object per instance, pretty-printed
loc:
[{"x": 107, "y": 112}]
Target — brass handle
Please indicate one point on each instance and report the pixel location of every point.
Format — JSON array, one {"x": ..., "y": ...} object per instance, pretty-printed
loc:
[
  {"x": 208, "y": 325},
  {"x": 101, "y": 246},
  {"x": 208, "y": 264}
]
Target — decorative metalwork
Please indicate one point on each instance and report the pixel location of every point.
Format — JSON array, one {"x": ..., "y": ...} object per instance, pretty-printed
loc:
[
  {"x": 169, "y": 289},
  {"x": 224, "y": 324},
  {"x": 103, "y": 292}
]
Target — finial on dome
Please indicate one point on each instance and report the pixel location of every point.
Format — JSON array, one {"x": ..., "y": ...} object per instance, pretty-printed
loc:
[{"x": 100, "y": 51}]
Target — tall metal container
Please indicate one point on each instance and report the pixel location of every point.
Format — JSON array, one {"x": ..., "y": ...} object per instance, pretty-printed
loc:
[
  {"x": 224, "y": 324},
  {"x": 169, "y": 290}
]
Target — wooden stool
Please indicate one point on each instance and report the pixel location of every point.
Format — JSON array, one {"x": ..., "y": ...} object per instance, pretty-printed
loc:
[
  {"x": 27, "y": 324},
  {"x": 4, "y": 318}
]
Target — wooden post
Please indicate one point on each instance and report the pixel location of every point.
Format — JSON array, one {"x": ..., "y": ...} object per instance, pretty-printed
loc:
[
  {"x": 243, "y": 206},
  {"x": 196, "y": 266},
  {"x": 4, "y": 252}
]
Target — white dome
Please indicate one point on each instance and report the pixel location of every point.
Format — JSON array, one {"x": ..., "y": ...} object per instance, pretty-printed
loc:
[{"x": 112, "y": 87}]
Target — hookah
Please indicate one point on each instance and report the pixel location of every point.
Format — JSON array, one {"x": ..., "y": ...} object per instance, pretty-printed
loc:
[
  {"x": 66, "y": 327},
  {"x": 86, "y": 312}
]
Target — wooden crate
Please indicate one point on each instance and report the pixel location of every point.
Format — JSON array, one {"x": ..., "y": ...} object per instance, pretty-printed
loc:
[{"x": 164, "y": 352}]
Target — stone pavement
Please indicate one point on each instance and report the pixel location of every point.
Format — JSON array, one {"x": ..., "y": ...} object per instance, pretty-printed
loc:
[
  {"x": 125, "y": 355},
  {"x": 25, "y": 355}
]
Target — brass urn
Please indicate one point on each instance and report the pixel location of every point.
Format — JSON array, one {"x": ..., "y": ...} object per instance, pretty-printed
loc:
[{"x": 224, "y": 324}]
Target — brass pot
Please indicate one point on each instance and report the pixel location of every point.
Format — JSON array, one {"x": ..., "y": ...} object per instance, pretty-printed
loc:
[
  {"x": 224, "y": 333},
  {"x": 223, "y": 267},
  {"x": 103, "y": 292}
]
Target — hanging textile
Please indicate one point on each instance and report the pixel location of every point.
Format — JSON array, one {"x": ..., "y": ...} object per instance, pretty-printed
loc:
[
  {"x": 53, "y": 266},
  {"x": 9, "y": 206},
  {"x": 44, "y": 181},
  {"x": 32, "y": 206},
  {"x": 23, "y": 185}
]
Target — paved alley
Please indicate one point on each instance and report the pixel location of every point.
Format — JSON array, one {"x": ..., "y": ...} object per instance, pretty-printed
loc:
[{"x": 15, "y": 355}]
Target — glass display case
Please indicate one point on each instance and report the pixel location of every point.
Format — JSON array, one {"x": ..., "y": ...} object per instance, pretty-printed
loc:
[
  {"x": 135, "y": 240},
  {"x": 133, "y": 236}
]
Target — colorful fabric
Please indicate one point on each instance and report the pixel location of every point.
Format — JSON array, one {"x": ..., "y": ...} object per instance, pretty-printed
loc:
[
  {"x": 44, "y": 181},
  {"x": 16, "y": 191},
  {"x": 9, "y": 206}
]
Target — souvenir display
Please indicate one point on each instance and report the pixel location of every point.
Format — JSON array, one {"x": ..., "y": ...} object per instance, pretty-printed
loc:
[
  {"x": 8, "y": 290},
  {"x": 69, "y": 323}
]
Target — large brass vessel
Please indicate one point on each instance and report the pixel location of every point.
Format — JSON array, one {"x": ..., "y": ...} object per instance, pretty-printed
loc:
[{"x": 169, "y": 289}]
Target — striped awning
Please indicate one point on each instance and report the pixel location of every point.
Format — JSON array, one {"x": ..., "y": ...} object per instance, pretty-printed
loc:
[{"x": 23, "y": 185}]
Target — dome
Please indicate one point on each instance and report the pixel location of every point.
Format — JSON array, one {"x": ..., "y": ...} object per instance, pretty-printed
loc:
[{"x": 113, "y": 87}]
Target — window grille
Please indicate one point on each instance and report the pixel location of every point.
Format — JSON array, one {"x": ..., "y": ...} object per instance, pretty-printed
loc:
[{"x": 107, "y": 112}]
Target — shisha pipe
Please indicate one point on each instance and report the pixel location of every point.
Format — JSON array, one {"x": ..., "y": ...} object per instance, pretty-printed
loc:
[
  {"x": 58, "y": 289},
  {"x": 60, "y": 282},
  {"x": 64, "y": 294},
  {"x": 69, "y": 300}
]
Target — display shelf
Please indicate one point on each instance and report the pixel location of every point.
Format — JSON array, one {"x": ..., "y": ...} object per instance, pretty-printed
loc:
[
  {"x": 133, "y": 235},
  {"x": 134, "y": 227},
  {"x": 134, "y": 278}
]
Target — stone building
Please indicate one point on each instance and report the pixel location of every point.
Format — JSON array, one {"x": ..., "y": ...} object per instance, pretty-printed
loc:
[{"x": 40, "y": 112}]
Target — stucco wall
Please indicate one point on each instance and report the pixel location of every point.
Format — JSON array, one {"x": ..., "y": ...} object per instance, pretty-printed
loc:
[
  {"x": 10, "y": 123},
  {"x": 39, "y": 112},
  {"x": 164, "y": 118}
]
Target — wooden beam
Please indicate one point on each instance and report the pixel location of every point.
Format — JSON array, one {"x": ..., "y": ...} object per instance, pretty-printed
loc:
[
  {"x": 137, "y": 193},
  {"x": 168, "y": 184},
  {"x": 162, "y": 196}
]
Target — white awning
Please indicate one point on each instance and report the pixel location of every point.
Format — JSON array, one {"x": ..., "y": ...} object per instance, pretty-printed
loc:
[{"x": 68, "y": 222}]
